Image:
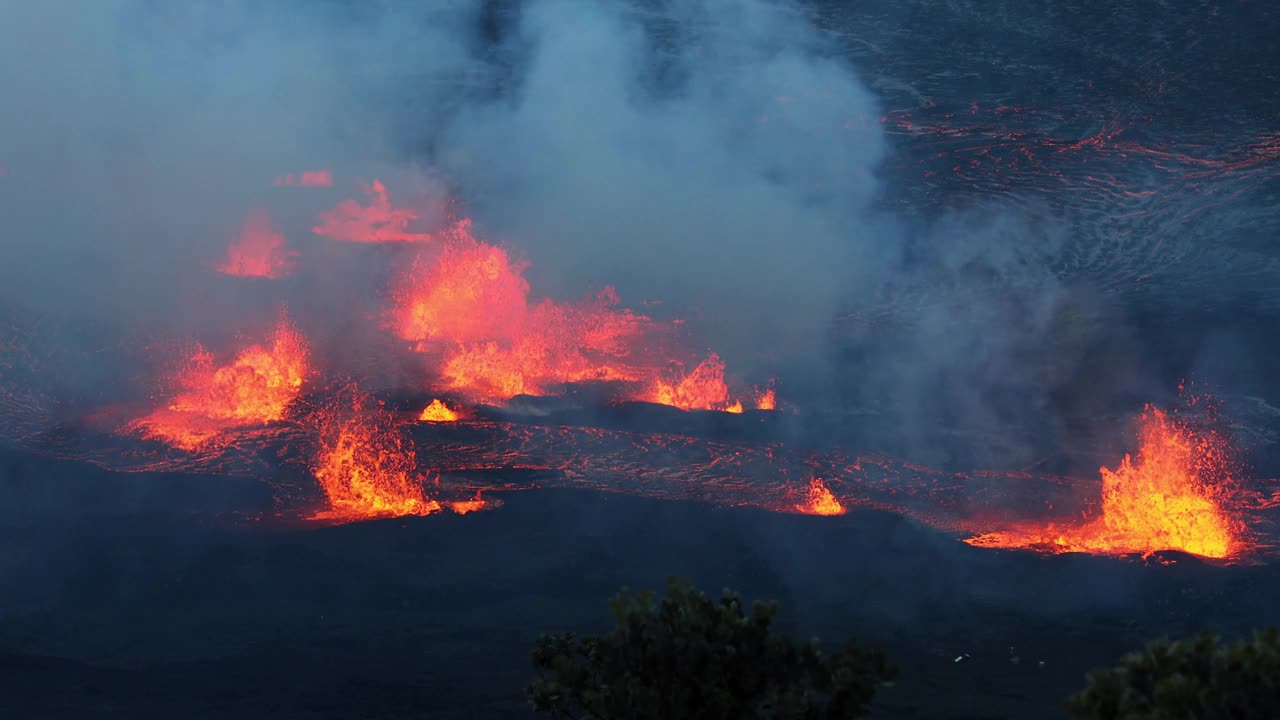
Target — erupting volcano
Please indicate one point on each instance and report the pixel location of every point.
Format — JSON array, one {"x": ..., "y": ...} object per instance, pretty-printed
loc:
[
  {"x": 1172, "y": 494},
  {"x": 463, "y": 310}
]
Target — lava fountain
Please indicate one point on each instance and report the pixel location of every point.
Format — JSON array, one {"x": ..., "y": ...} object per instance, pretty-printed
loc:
[
  {"x": 820, "y": 501},
  {"x": 256, "y": 388},
  {"x": 437, "y": 411},
  {"x": 365, "y": 467},
  {"x": 1171, "y": 495}
]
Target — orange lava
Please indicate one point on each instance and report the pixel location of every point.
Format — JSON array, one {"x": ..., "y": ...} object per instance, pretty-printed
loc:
[
  {"x": 767, "y": 400},
  {"x": 736, "y": 408},
  {"x": 307, "y": 178},
  {"x": 702, "y": 389},
  {"x": 462, "y": 507},
  {"x": 256, "y": 388},
  {"x": 437, "y": 411},
  {"x": 259, "y": 251},
  {"x": 820, "y": 501},
  {"x": 1169, "y": 496},
  {"x": 377, "y": 222},
  {"x": 365, "y": 467},
  {"x": 467, "y": 302}
]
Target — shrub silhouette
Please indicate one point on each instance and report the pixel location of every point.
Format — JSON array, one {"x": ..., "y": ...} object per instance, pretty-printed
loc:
[
  {"x": 1200, "y": 679},
  {"x": 694, "y": 658}
]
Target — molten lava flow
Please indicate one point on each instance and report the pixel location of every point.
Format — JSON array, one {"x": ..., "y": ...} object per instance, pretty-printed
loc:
[
  {"x": 1170, "y": 496},
  {"x": 767, "y": 400},
  {"x": 377, "y": 222},
  {"x": 256, "y": 388},
  {"x": 259, "y": 251},
  {"x": 437, "y": 411},
  {"x": 365, "y": 467},
  {"x": 307, "y": 178},
  {"x": 736, "y": 408},
  {"x": 702, "y": 389},
  {"x": 820, "y": 500}
]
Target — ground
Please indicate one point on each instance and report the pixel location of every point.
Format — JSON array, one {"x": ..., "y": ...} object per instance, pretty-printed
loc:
[{"x": 132, "y": 605}]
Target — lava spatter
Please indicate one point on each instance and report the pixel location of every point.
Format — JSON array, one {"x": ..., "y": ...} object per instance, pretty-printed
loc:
[
  {"x": 820, "y": 500},
  {"x": 256, "y": 388},
  {"x": 366, "y": 468},
  {"x": 1171, "y": 495}
]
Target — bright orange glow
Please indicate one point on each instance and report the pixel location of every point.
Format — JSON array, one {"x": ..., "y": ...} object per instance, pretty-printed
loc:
[
  {"x": 307, "y": 178},
  {"x": 465, "y": 291},
  {"x": 377, "y": 222},
  {"x": 468, "y": 302},
  {"x": 437, "y": 411},
  {"x": 256, "y": 388},
  {"x": 462, "y": 507},
  {"x": 259, "y": 251},
  {"x": 702, "y": 389},
  {"x": 365, "y": 467},
  {"x": 767, "y": 400},
  {"x": 1169, "y": 496},
  {"x": 735, "y": 408},
  {"x": 820, "y": 500}
]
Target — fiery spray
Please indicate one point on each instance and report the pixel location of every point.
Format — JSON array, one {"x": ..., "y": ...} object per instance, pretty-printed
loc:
[
  {"x": 1169, "y": 496},
  {"x": 256, "y": 388},
  {"x": 364, "y": 465},
  {"x": 702, "y": 389},
  {"x": 437, "y": 411},
  {"x": 467, "y": 302},
  {"x": 767, "y": 400},
  {"x": 820, "y": 500},
  {"x": 259, "y": 250}
]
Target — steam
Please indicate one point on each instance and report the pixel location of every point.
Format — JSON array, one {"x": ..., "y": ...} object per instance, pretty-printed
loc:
[
  {"x": 137, "y": 136},
  {"x": 709, "y": 155},
  {"x": 718, "y": 156}
]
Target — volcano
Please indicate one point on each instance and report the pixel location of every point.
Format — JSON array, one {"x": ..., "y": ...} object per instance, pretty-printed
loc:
[{"x": 345, "y": 350}]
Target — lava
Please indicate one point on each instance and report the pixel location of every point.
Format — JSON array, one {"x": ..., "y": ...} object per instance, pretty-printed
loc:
[
  {"x": 259, "y": 250},
  {"x": 1171, "y": 495},
  {"x": 377, "y": 222},
  {"x": 464, "y": 291},
  {"x": 365, "y": 467},
  {"x": 767, "y": 400},
  {"x": 307, "y": 178},
  {"x": 437, "y": 411},
  {"x": 467, "y": 302},
  {"x": 820, "y": 500},
  {"x": 703, "y": 388},
  {"x": 256, "y": 388}
]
